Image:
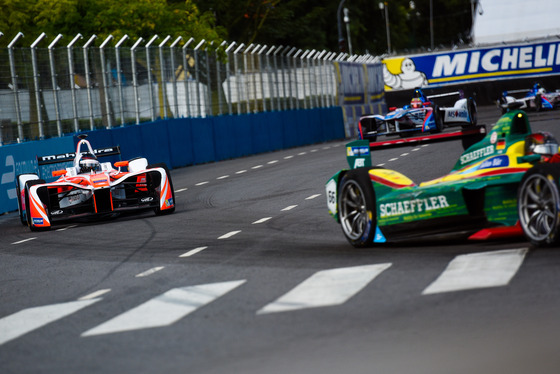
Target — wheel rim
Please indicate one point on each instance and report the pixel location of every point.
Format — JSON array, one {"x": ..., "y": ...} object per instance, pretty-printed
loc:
[
  {"x": 353, "y": 211},
  {"x": 538, "y": 207}
]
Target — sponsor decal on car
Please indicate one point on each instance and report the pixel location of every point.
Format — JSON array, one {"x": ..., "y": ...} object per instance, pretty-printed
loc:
[
  {"x": 413, "y": 206},
  {"x": 38, "y": 221},
  {"x": 475, "y": 155},
  {"x": 357, "y": 151},
  {"x": 146, "y": 199},
  {"x": 56, "y": 212},
  {"x": 495, "y": 162},
  {"x": 169, "y": 202}
]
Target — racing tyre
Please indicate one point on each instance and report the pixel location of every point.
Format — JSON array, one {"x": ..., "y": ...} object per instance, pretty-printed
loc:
[
  {"x": 473, "y": 114},
  {"x": 538, "y": 102},
  {"x": 28, "y": 222},
  {"x": 438, "y": 119},
  {"x": 356, "y": 208},
  {"x": 157, "y": 210},
  {"x": 20, "y": 185},
  {"x": 539, "y": 204}
]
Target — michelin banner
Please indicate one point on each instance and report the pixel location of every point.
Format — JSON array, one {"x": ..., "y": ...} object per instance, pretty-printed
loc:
[
  {"x": 472, "y": 65},
  {"x": 360, "y": 91}
]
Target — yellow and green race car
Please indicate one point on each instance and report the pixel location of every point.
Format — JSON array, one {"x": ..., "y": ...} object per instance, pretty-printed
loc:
[{"x": 507, "y": 184}]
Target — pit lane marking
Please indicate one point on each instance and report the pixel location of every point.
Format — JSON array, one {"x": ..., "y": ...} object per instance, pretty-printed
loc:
[
  {"x": 95, "y": 294},
  {"x": 240, "y": 171},
  {"x": 202, "y": 183},
  {"x": 150, "y": 272},
  {"x": 193, "y": 252},
  {"x": 313, "y": 196},
  {"x": 223, "y": 177},
  {"x": 289, "y": 208},
  {"x": 181, "y": 190},
  {"x": 272, "y": 162},
  {"x": 257, "y": 167},
  {"x": 24, "y": 240},
  {"x": 404, "y": 154},
  {"x": 288, "y": 157},
  {"x": 393, "y": 159}
]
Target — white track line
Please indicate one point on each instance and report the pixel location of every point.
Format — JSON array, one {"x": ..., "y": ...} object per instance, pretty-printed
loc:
[
  {"x": 27, "y": 320},
  {"x": 150, "y": 271},
  {"x": 229, "y": 234},
  {"x": 326, "y": 288},
  {"x": 193, "y": 252},
  {"x": 288, "y": 208},
  {"x": 478, "y": 270},
  {"x": 166, "y": 308},
  {"x": 262, "y": 220},
  {"x": 95, "y": 294},
  {"x": 24, "y": 240}
]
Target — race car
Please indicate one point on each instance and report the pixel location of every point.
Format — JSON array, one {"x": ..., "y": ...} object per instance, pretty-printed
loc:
[
  {"x": 536, "y": 98},
  {"x": 505, "y": 185},
  {"x": 89, "y": 188},
  {"x": 420, "y": 115}
]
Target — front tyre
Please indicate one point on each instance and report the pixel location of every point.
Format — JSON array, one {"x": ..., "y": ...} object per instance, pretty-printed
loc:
[
  {"x": 438, "y": 119},
  {"x": 539, "y": 204},
  {"x": 357, "y": 209}
]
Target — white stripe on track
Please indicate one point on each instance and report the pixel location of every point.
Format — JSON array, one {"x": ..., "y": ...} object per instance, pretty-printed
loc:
[
  {"x": 326, "y": 288},
  {"x": 27, "y": 320},
  {"x": 166, "y": 308},
  {"x": 478, "y": 270}
]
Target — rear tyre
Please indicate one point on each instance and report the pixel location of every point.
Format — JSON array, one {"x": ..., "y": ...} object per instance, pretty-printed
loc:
[
  {"x": 157, "y": 210},
  {"x": 539, "y": 204},
  {"x": 473, "y": 114},
  {"x": 357, "y": 208},
  {"x": 538, "y": 102},
  {"x": 438, "y": 119}
]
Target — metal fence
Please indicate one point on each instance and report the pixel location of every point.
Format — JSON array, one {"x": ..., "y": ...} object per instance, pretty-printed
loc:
[{"x": 48, "y": 92}]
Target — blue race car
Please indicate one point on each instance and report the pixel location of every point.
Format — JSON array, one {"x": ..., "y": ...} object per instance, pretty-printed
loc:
[{"x": 421, "y": 115}]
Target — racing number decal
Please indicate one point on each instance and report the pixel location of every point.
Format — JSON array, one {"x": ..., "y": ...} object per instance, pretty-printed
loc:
[{"x": 331, "y": 196}]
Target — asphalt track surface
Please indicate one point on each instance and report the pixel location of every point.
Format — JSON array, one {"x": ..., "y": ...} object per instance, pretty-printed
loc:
[{"x": 251, "y": 275}]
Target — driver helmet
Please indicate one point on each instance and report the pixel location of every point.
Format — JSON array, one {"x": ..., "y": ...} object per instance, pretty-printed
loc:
[
  {"x": 542, "y": 143},
  {"x": 416, "y": 103},
  {"x": 89, "y": 163}
]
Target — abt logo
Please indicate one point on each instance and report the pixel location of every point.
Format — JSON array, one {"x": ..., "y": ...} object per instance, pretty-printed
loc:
[{"x": 359, "y": 163}]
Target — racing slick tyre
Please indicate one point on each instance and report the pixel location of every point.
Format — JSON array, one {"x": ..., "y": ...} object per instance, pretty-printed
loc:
[
  {"x": 471, "y": 108},
  {"x": 357, "y": 208},
  {"x": 157, "y": 210},
  {"x": 20, "y": 185},
  {"x": 538, "y": 204},
  {"x": 438, "y": 119},
  {"x": 28, "y": 184},
  {"x": 538, "y": 102}
]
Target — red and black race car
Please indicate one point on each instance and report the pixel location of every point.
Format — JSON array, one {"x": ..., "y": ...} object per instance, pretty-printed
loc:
[{"x": 90, "y": 188}]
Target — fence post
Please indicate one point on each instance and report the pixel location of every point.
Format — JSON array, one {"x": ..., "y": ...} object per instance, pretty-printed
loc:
[
  {"x": 254, "y": 75},
  {"x": 135, "y": 79},
  {"x": 197, "y": 77},
  {"x": 296, "y": 97},
  {"x": 219, "y": 77},
  {"x": 288, "y": 62},
  {"x": 237, "y": 77},
  {"x": 72, "y": 82},
  {"x": 54, "y": 85},
  {"x": 162, "y": 74},
  {"x": 269, "y": 76},
  {"x": 36, "y": 83},
  {"x": 88, "y": 80},
  {"x": 174, "y": 75},
  {"x": 105, "y": 83},
  {"x": 119, "y": 76},
  {"x": 261, "y": 77},
  {"x": 303, "y": 70},
  {"x": 186, "y": 73},
  {"x": 150, "y": 83},
  {"x": 209, "y": 110},
  {"x": 228, "y": 77},
  {"x": 15, "y": 84}
]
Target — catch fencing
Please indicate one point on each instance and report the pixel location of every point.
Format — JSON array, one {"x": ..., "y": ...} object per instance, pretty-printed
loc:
[{"x": 48, "y": 90}]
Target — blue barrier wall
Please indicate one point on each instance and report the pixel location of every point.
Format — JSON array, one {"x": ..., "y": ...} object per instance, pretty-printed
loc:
[{"x": 181, "y": 142}]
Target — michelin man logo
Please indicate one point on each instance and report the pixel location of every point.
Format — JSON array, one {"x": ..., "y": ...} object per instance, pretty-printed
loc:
[
  {"x": 9, "y": 178},
  {"x": 408, "y": 78}
]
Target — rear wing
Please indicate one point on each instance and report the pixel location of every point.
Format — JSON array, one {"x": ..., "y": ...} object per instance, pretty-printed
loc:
[{"x": 66, "y": 157}]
